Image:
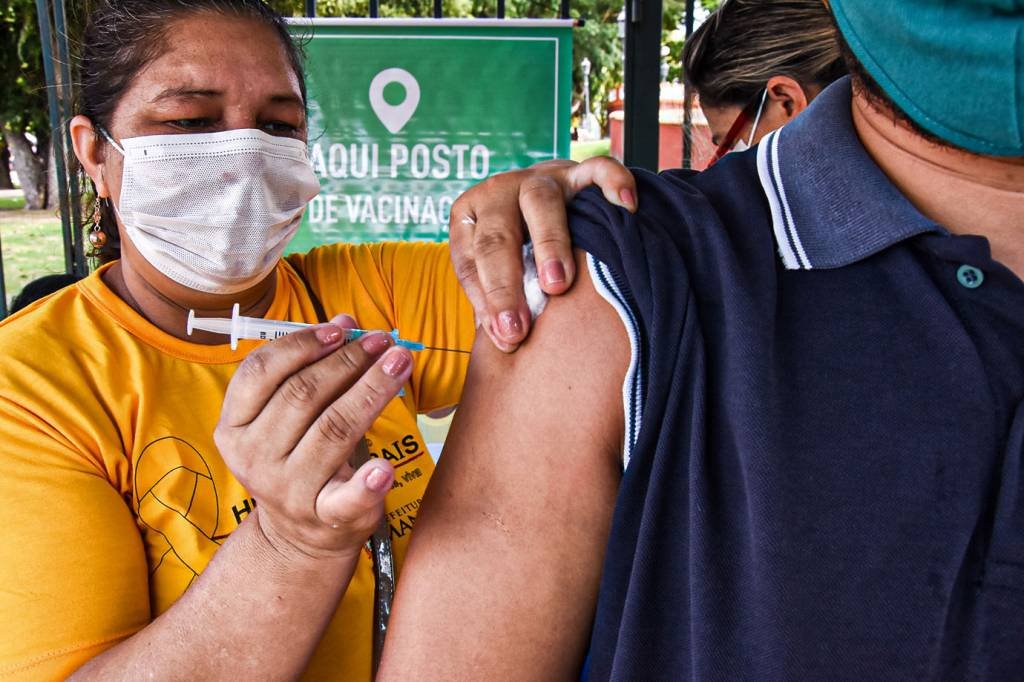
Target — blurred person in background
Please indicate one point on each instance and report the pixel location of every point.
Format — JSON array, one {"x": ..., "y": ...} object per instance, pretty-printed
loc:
[
  {"x": 756, "y": 64},
  {"x": 41, "y": 288}
]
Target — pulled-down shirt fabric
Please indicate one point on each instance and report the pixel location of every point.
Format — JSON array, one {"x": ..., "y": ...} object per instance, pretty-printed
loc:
[{"x": 825, "y": 425}]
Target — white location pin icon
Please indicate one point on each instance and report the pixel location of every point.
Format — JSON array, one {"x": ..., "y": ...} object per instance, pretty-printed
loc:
[{"x": 394, "y": 117}]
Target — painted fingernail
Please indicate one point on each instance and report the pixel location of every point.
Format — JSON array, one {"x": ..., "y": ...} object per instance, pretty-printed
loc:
[
  {"x": 627, "y": 198},
  {"x": 554, "y": 271},
  {"x": 328, "y": 334},
  {"x": 509, "y": 325},
  {"x": 378, "y": 479},
  {"x": 343, "y": 320},
  {"x": 375, "y": 344},
  {"x": 496, "y": 340},
  {"x": 396, "y": 363}
]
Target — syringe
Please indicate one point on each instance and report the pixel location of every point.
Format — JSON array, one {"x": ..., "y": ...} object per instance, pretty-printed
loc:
[{"x": 240, "y": 327}]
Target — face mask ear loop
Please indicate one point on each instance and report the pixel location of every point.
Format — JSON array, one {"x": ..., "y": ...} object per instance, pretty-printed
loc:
[
  {"x": 109, "y": 139},
  {"x": 118, "y": 147},
  {"x": 757, "y": 119}
]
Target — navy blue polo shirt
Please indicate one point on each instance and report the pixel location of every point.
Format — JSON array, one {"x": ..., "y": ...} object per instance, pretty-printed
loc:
[{"x": 824, "y": 428}]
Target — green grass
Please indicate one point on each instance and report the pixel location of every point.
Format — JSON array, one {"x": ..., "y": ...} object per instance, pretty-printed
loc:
[
  {"x": 32, "y": 247},
  {"x": 12, "y": 203},
  {"x": 581, "y": 151}
]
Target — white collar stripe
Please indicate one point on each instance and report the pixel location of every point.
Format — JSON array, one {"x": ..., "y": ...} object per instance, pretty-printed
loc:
[
  {"x": 632, "y": 385},
  {"x": 790, "y": 224},
  {"x": 821, "y": 218},
  {"x": 778, "y": 223}
]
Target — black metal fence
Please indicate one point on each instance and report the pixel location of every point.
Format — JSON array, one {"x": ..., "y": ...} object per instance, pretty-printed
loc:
[{"x": 56, "y": 67}]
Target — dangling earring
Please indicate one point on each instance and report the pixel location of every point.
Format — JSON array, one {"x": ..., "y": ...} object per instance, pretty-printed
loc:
[{"x": 97, "y": 237}]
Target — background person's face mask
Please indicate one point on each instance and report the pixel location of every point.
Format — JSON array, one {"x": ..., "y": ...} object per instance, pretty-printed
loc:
[
  {"x": 743, "y": 145},
  {"x": 214, "y": 211},
  {"x": 732, "y": 141}
]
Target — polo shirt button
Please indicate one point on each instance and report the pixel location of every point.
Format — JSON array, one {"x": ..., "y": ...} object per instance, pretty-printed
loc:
[{"x": 970, "y": 276}]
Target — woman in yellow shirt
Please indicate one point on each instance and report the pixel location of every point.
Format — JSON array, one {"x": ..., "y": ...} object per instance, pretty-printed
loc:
[{"x": 129, "y": 544}]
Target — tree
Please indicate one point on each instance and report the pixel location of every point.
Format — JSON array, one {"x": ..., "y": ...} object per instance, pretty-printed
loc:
[
  {"x": 5, "y": 165},
  {"x": 23, "y": 102},
  {"x": 388, "y": 8}
]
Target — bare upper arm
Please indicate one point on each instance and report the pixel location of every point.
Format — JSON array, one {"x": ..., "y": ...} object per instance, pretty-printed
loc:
[{"x": 502, "y": 574}]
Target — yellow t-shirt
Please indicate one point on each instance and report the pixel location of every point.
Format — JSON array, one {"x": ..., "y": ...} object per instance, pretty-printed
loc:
[{"x": 113, "y": 497}]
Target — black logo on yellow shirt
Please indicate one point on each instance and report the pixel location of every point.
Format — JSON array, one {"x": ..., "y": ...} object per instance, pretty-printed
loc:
[
  {"x": 177, "y": 500},
  {"x": 403, "y": 454},
  {"x": 398, "y": 451}
]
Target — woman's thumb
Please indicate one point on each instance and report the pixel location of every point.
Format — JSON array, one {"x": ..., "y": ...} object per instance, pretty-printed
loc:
[{"x": 359, "y": 501}]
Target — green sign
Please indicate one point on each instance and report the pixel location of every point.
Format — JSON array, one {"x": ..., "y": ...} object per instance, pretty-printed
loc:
[{"x": 407, "y": 114}]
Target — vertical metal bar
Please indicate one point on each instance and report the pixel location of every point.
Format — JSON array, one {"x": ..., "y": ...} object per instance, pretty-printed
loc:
[
  {"x": 564, "y": 11},
  {"x": 501, "y": 9},
  {"x": 688, "y": 99},
  {"x": 3, "y": 285},
  {"x": 46, "y": 39},
  {"x": 310, "y": 8},
  {"x": 438, "y": 11},
  {"x": 65, "y": 106},
  {"x": 641, "y": 82},
  {"x": 374, "y": 9}
]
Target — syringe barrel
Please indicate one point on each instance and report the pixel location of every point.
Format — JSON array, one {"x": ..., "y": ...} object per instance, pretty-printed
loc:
[
  {"x": 267, "y": 330},
  {"x": 259, "y": 329}
]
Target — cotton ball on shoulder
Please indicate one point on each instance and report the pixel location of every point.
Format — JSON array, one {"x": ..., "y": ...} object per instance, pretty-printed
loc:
[{"x": 535, "y": 296}]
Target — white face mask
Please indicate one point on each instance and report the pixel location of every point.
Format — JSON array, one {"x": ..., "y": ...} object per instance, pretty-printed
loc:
[
  {"x": 743, "y": 145},
  {"x": 214, "y": 211}
]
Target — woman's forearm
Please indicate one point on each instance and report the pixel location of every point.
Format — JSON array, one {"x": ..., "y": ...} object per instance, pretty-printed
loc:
[{"x": 259, "y": 609}]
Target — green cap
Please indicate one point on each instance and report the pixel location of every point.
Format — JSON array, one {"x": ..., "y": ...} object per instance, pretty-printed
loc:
[{"x": 955, "y": 67}]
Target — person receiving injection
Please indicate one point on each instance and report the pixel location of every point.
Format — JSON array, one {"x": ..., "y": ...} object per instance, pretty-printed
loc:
[{"x": 158, "y": 521}]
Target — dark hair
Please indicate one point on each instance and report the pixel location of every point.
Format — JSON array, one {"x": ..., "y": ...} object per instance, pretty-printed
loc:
[
  {"x": 731, "y": 56},
  {"x": 38, "y": 288},
  {"x": 121, "y": 38}
]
